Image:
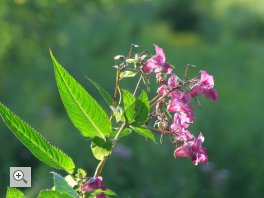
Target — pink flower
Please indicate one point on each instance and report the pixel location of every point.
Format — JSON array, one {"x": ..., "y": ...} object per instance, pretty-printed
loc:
[
  {"x": 211, "y": 94},
  {"x": 193, "y": 149},
  {"x": 172, "y": 82},
  {"x": 184, "y": 136},
  {"x": 157, "y": 63},
  {"x": 162, "y": 90},
  {"x": 178, "y": 106},
  {"x": 184, "y": 97},
  {"x": 205, "y": 87},
  {"x": 206, "y": 79},
  {"x": 180, "y": 122},
  {"x": 94, "y": 183}
]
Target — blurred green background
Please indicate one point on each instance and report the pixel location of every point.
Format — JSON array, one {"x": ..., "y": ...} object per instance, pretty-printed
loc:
[{"x": 226, "y": 38}]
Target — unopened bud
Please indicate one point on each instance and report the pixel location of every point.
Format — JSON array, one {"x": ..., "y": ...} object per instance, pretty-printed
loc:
[{"x": 119, "y": 57}]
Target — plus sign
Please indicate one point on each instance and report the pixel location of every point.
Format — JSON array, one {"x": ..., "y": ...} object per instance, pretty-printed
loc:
[{"x": 18, "y": 175}]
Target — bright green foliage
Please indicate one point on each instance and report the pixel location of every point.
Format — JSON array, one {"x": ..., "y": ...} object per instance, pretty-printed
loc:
[
  {"x": 107, "y": 97},
  {"x": 85, "y": 113},
  {"x": 38, "y": 146},
  {"x": 53, "y": 194},
  {"x": 138, "y": 110},
  {"x": 14, "y": 193},
  {"x": 62, "y": 186},
  {"x": 142, "y": 108},
  {"x": 106, "y": 192},
  {"x": 128, "y": 99},
  {"x": 118, "y": 113},
  {"x": 124, "y": 133},
  {"x": 80, "y": 173},
  {"x": 101, "y": 148},
  {"x": 129, "y": 105},
  {"x": 144, "y": 132}
]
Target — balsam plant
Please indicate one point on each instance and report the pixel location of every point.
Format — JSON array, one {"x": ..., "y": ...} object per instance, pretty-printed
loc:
[{"x": 168, "y": 113}]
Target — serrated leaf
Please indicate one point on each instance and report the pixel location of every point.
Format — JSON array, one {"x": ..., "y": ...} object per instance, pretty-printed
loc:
[
  {"x": 127, "y": 74},
  {"x": 85, "y": 113},
  {"x": 53, "y": 194},
  {"x": 128, "y": 98},
  {"x": 62, "y": 186},
  {"x": 101, "y": 148},
  {"x": 129, "y": 104},
  {"x": 14, "y": 193},
  {"x": 139, "y": 110},
  {"x": 144, "y": 132},
  {"x": 142, "y": 108},
  {"x": 37, "y": 145},
  {"x": 107, "y": 97}
]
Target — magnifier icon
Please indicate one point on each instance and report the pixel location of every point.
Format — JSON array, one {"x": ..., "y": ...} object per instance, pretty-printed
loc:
[{"x": 19, "y": 175}]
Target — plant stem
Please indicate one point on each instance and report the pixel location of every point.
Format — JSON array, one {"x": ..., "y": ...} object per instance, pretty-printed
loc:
[
  {"x": 116, "y": 86},
  {"x": 100, "y": 167},
  {"x": 101, "y": 164},
  {"x": 186, "y": 72},
  {"x": 115, "y": 93},
  {"x": 119, "y": 131},
  {"x": 160, "y": 130},
  {"x": 154, "y": 98},
  {"x": 137, "y": 86}
]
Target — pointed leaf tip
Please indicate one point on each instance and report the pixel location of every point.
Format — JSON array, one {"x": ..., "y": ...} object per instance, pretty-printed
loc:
[{"x": 85, "y": 113}]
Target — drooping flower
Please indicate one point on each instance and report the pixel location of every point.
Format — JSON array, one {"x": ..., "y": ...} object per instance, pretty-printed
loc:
[
  {"x": 157, "y": 63},
  {"x": 193, "y": 149},
  {"x": 178, "y": 106},
  {"x": 184, "y": 97},
  {"x": 172, "y": 82},
  {"x": 205, "y": 86},
  {"x": 94, "y": 183},
  {"x": 180, "y": 122},
  {"x": 162, "y": 90}
]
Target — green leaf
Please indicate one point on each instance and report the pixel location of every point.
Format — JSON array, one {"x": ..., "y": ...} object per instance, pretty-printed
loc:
[
  {"x": 139, "y": 110},
  {"x": 14, "y": 193},
  {"x": 129, "y": 105},
  {"x": 144, "y": 132},
  {"x": 124, "y": 133},
  {"x": 127, "y": 74},
  {"x": 62, "y": 186},
  {"x": 80, "y": 174},
  {"x": 142, "y": 108},
  {"x": 38, "y": 146},
  {"x": 101, "y": 148},
  {"x": 106, "y": 192},
  {"x": 128, "y": 99},
  {"x": 85, "y": 113},
  {"x": 118, "y": 113},
  {"x": 53, "y": 194},
  {"x": 107, "y": 97}
]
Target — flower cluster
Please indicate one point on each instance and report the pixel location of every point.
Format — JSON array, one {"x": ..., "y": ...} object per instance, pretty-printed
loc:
[
  {"x": 173, "y": 112},
  {"x": 94, "y": 183}
]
